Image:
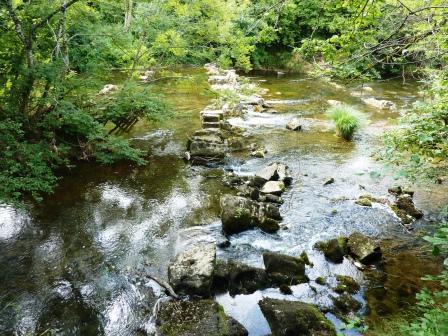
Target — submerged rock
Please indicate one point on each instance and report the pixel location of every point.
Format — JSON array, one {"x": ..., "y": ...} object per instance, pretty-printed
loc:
[
  {"x": 333, "y": 249},
  {"x": 380, "y": 103},
  {"x": 364, "y": 249},
  {"x": 196, "y": 318},
  {"x": 191, "y": 272},
  {"x": 239, "y": 214},
  {"x": 293, "y": 318},
  {"x": 284, "y": 269}
]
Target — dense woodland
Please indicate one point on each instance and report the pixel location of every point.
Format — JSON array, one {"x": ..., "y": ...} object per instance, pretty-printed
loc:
[{"x": 55, "y": 57}]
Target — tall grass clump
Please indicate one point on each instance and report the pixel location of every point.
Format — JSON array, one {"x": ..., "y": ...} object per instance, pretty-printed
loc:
[{"x": 346, "y": 119}]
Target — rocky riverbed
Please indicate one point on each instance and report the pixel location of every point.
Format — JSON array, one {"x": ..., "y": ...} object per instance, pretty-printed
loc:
[{"x": 271, "y": 223}]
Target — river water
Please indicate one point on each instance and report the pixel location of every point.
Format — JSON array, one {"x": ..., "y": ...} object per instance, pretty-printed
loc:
[{"x": 76, "y": 264}]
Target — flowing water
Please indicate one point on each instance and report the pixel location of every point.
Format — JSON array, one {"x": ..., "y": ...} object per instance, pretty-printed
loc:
[{"x": 76, "y": 264}]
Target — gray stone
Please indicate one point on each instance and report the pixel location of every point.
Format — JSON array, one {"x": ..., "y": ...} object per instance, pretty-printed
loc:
[
  {"x": 191, "y": 272},
  {"x": 294, "y": 125},
  {"x": 273, "y": 187},
  {"x": 266, "y": 174}
]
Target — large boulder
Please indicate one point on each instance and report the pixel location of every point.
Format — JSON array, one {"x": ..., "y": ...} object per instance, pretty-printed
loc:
[
  {"x": 240, "y": 214},
  {"x": 196, "y": 318},
  {"x": 284, "y": 269},
  {"x": 191, "y": 272},
  {"x": 364, "y": 249},
  {"x": 293, "y": 318},
  {"x": 207, "y": 145},
  {"x": 239, "y": 278},
  {"x": 333, "y": 249}
]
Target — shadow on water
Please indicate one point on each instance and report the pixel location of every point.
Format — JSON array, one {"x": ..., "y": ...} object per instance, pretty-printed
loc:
[{"x": 76, "y": 263}]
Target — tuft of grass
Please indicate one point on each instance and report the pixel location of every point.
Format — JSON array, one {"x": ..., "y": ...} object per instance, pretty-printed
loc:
[{"x": 346, "y": 119}]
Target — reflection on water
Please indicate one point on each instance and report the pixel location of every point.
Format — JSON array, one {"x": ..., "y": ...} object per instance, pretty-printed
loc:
[{"x": 76, "y": 263}]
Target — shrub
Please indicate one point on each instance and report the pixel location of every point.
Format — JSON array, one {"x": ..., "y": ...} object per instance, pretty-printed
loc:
[{"x": 346, "y": 119}]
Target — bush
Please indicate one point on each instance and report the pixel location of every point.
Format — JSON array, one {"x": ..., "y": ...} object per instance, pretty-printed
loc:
[{"x": 347, "y": 120}]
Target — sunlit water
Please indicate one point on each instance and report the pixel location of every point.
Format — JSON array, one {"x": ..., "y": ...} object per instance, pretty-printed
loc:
[{"x": 76, "y": 263}]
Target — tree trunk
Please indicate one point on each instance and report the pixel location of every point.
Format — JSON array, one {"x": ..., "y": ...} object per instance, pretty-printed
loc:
[{"x": 128, "y": 6}]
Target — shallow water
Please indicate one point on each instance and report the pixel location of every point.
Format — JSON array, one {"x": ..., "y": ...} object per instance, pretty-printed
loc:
[{"x": 76, "y": 263}]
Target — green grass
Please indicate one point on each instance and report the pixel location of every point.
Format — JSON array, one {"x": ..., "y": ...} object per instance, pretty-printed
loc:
[{"x": 346, "y": 119}]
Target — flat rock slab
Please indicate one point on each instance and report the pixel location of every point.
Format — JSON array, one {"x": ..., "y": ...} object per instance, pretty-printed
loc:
[
  {"x": 273, "y": 187},
  {"x": 191, "y": 272},
  {"x": 196, "y": 318},
  {"x": 266, "y": 174},
  {"x": 294, "y": 318}
]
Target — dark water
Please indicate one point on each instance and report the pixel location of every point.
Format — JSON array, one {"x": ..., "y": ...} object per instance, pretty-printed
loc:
[{"x": 76, "y": 264}]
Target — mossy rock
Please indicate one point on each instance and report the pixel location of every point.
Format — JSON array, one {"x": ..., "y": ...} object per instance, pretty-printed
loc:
[
  {"x": 321, "y": 281},
  {"x": 293, "y": 318},
  {"x": 346, "y": 284},
  {"x": 333, "y": 249},
  {"x": 196, "y": 318},
  {"x": 284, "y": 269},
  {"x": 345, "y": 304},
  {"x": 363, "y": 248}
]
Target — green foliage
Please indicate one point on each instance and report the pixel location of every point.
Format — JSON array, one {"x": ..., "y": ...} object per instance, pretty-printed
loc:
[
  {"x": 25, "y": 168},
  {"x": 433, "y": 306},
  {"x": 131, "y": 102},
  {"x": 420, "y": 145},
  {"x": 346, "y": 119}
]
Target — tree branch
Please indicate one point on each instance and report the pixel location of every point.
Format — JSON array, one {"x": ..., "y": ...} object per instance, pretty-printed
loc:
[
  {"x": 17, "y": 22},
  {"x": 62, "y": 8}
]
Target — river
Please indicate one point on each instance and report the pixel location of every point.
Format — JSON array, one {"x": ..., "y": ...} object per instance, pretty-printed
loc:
[{"x": 76, "y": 263}]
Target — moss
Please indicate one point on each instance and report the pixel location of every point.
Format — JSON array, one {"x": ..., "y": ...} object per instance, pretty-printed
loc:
[{"x": 364, "y": 202}]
